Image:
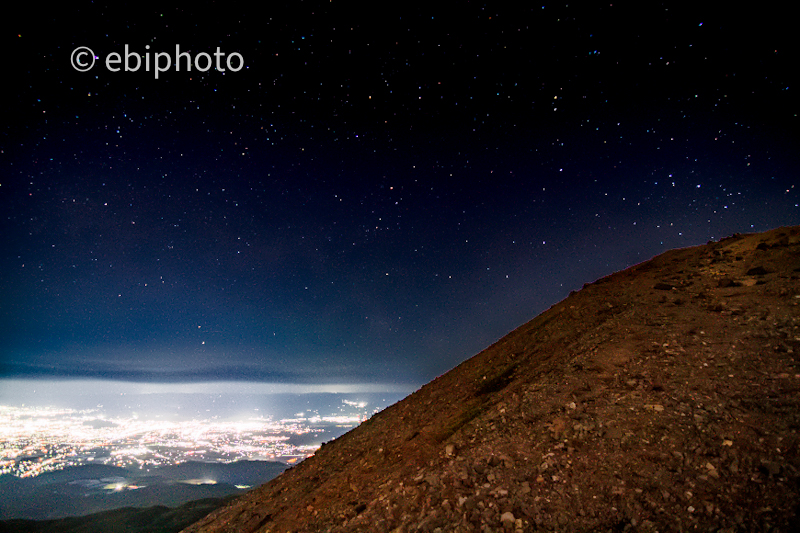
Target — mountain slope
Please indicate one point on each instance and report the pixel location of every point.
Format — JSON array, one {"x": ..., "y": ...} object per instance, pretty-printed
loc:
[{"x": 664, "y": 397}]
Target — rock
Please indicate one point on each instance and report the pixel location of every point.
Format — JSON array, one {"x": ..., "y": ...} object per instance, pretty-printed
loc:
[
  {"x": 770, "y": 468},
  {"x": 508, "y": 520},
  {"x": 757, "y": 271},
  {"x": 432, "y": 480}
]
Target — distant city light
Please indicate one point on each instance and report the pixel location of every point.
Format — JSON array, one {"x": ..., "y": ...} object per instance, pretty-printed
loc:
[{"x": 34, "y": 440}]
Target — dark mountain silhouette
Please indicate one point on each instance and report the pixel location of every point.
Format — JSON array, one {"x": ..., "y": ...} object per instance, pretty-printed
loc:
[
  {"x": 157, "y": 519},
  {"x": 661, "y": 398},
  {"x": 83, "y": 490}
]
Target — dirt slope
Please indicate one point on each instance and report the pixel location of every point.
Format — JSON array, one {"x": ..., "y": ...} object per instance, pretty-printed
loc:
[{"x": 662, "y": 398}]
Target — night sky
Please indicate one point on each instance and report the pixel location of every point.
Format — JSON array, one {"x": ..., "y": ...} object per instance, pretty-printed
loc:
[{"x": 377, "y": 194}]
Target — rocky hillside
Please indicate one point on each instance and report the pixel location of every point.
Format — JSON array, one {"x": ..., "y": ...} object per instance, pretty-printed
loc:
[{"x": 662, "y": 398}]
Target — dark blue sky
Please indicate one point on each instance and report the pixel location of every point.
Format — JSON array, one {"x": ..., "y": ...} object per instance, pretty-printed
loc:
[{"x": 375, "y": 196}]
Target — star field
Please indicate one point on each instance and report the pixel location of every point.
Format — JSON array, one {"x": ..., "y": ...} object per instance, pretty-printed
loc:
[{"x": 376, "y": 195}]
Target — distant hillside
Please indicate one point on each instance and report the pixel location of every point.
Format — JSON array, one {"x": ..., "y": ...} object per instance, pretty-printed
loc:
[
  {"x": 157, "y": 519},
  {"x": 83, "y": 490},
  {"x": 662, "y": 398}
]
